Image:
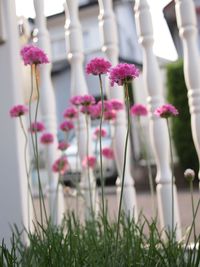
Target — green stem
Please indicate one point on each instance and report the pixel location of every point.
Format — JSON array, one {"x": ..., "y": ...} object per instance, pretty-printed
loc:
[
  {"x": 146, "y": 157},
  {"x": 77, "y": 157},
  {"x": 27, "y": 172},
  {"x": 172, "y": 169},
  {"x": 56, "y": 196},
  {"x": 88, "y": 168},
  {"x": 193, "y": 212},
  {"x": 193, "y": 223},
  {"x": 100, "y": 141},
  {"x": 124, "y": 164},
  {"x": 36, "y": 146},
  {"x": 32, "y": 138}
]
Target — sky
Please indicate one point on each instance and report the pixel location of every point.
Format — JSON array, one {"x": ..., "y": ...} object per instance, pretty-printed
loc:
[{"x": 162, "y": 38}]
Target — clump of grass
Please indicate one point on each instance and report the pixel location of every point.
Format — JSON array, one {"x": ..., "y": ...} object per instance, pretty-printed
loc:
[{"x": 93, "y": 244}]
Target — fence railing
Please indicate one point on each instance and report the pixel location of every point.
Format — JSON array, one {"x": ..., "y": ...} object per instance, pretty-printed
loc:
[
  {"x": 185, "y": 13},
  {"x": 187, "y": 24}
]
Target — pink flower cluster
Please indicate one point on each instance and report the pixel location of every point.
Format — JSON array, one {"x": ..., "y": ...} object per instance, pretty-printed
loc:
[
  {"x": 122, "y": 73},
  {"x": 87, "y": 103},
  {"x": 89, "y": 161},
  {"x": 66, "y": 126},
  {"x": 117, "y": 104},
  {"x": 109, "y": 112},
  {"x": 95, "y": 111},
  {"x": 89, "y": 107},
  {"x": 87, "y": 100},
  {"x": 139, "y": 110},
  {"x": 97, "y": 133},
  {"x": 166, "y": 111},
  {"x": 60, "y": 165},
  {"x": 107, "y": 105},
  {"x": 18, "y": 111},
  {"x": 108, "y": 153},
  {"x": 62, "y": 145},
  {"x": 76, "y": 100},
  {"x": 98, "y": 66},
  {"x": 86, "y": 110},
  {"x": 70, "y": 113},
  {"x": 36, "y": 127},
  {"x": 33, "y": 55},
  {"x": 47, "y": 138},
  {"x": 110, "y": 115}
]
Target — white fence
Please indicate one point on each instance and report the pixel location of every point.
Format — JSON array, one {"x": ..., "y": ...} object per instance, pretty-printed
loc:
[{"x": 186, "y": 19}]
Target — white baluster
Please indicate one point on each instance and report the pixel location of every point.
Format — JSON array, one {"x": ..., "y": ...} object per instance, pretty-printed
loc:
[
  {"x": 13, "y": 182},
  {"x": 48, "y": 113},
  {"x": 108, "y": 30},
  {"x": 74, "y": 43},
  {"x": 186, "y": 20},
  {"x": 158, "y": 127}
]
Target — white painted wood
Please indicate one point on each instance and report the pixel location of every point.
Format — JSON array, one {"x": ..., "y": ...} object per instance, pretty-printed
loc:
[
  {"x": 188, "y": 31},
  {"x": 13, "y": 181},
  {"x": 109, "y": 38},
  {"x": 74, "y": 43},
  {"x": 48, "y": 114},
  {"x": 158, "y": 127}
]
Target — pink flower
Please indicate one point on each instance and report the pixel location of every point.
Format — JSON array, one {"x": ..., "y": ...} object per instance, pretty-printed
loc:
[
  {"x": 108, "y": 153},
  {"x": 117, "y": 104},
  {"x": 47, "y": 138},
  {"x": 66, "y": 126},
  {"x": 33, "y": 55},
  {"x": 60, "y": 165},
  {"x": 95, "y": 111},
  {"x": 139, "y": 110},
  {"x": 85, "y": 110},
  {"x": 18, "y": 111},
  {"x": 166, "y": 111},
  {"x": 89, "y": 161},
  {"x": 87, "y": 100},
  {"x": 97, "y": 132},
  {"x": 62, "y": 145},
  {"x": 107, "y": 104},
  {"x": 76, "y": 100},
  {"x": 122, "y": 73},
  {"x": 36, "y": 127},
  {"x": 110, "y": 115},
  {"x": 98, "y": 66},
  {"x": 70, "y": 113}
]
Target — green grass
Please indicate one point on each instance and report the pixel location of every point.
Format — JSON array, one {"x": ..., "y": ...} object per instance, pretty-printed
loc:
[{"x": 74, "y": 244}]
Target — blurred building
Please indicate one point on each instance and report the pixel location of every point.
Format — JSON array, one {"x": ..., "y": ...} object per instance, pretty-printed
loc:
[
  {"x": 170, "y": 16},
  {"x": 88, "y": 14}
]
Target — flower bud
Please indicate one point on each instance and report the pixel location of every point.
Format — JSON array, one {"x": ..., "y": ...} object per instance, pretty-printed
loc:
[{"x": 189, "y": 175}]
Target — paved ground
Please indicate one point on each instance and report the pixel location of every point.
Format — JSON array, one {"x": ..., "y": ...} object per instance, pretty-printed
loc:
[{"x": 144, "y": 205}]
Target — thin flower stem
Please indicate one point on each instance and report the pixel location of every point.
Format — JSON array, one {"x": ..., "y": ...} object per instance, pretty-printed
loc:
[
  {"x": 88, "y": 168},
  {"x": 27, "y": 172},
  {"x": 56, "y": 196},
  {"x": 100, "y": 142},
  {"x": 172, "y": 169},
  {"x": 124, "y": 164},
  {"x": 150, "y": 176},
  {"x": 193, "y": 212},
  {"x": 36, "y": 145},
  {"x": 192, "y": 225},
  {"x": 96, "y": 146},
  {"x": 32, "y": 138},
  {"x": 77, "y": 157}
]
